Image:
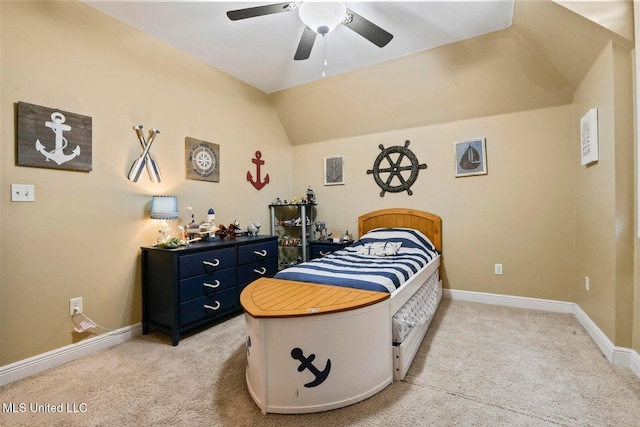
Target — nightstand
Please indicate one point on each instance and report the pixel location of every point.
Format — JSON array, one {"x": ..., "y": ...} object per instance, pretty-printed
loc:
[{"x": 321, "y": 248}]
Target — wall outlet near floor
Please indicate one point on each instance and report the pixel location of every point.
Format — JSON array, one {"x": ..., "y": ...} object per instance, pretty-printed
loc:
[
  {"x": 498, "y": 269},
  {"x": 586, "y": 283},
  {"x": 75, "y": 306}
]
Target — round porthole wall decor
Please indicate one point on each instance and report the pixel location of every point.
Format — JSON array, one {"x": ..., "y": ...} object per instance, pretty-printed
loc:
[{"x": 391, "y": 163}]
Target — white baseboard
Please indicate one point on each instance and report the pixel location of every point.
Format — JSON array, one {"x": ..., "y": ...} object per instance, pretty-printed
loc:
[
  {"x": 510, "y": 301},
  {"x": 41, "y": 362},
  {"x": 635, "y": 363},
  {"x": 619, "y": 356}
]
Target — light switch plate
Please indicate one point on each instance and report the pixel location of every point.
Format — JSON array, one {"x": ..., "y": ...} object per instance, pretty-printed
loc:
[{"x": 23, "y": 193}]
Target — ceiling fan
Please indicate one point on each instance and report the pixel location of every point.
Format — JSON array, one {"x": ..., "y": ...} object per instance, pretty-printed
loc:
[{"x": 319, "y": 18}]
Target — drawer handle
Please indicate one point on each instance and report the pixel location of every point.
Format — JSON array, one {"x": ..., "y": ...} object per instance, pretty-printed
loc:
[
  {"x": 212, "y": 264},
  {"x": 210, "y": 307},
  {"x": 210, "y": 285},
  {"x": 261, "y": 271},
  {"x": 261, "y": 253},
  {"x": 324, "y": 253}
]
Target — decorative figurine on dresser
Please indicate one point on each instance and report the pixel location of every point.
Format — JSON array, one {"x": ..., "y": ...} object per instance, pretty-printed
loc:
[{"x": 189, "y": 286}]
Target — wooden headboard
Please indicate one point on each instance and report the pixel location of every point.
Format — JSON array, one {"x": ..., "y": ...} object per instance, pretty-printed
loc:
[{"x": 429, "y": 224}]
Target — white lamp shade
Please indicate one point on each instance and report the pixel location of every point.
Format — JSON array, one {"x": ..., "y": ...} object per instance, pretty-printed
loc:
[
  {"x": 164, "y": 207},
  {"x": 322, "y": 17}
]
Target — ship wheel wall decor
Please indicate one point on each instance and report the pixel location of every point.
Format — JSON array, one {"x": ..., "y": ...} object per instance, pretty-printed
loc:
[{"x": 390, "y": 164}]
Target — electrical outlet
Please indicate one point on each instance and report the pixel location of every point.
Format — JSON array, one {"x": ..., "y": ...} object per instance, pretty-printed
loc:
[
  {"x": 22, "y": 193},
  {"x": 498, "y": 269},
  {"x": 75, "y": 306},
  {"x": 586, "y": 283}
]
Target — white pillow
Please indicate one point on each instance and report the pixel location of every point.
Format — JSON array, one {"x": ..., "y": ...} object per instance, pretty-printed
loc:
[{"x": 380, "y": 248}]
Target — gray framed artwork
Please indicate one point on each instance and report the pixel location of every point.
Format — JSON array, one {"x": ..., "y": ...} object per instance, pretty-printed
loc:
[
  {"x": 334, "y": 170},
  {"x": 470, "y": 157}
]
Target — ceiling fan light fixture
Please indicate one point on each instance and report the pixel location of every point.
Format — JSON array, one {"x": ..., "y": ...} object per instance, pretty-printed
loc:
[{"x": 322, "y": 17}]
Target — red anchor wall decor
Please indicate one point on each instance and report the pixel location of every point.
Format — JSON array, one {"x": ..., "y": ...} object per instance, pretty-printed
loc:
[{"x": 257, "y": 183}]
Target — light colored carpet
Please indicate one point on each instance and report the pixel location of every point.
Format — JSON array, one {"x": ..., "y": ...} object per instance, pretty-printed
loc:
[{"x": 479, "y": 365}]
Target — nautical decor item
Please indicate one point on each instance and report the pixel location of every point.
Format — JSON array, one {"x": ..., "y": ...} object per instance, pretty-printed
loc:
[
  {"x": 320, "y": 228},
  {"x": 234, "y": 229},
  {"x": 334, "y": 170},
  {"x": 384, "y": 174},
  {"x": 470, "y": 157},
  {"x": 311, "y": 196},
  {"x": 145, "y": 160},
  {"x": 589, "y": 137},
  {"x": 150, "y": 163},
  {"x": 257, "y": 182},
  {"x": 202, "y": 160},
  {"x": 253, "y": 229},
  {"x": 54, "y": 139},
  {"x": 306, "y": 363}
]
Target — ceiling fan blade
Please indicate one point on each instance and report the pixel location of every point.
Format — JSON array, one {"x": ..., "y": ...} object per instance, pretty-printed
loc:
[
  {"x": 306, "y": 44},
  {"x": 269, "y": 9},
  {"x": 367, "y": 29}
]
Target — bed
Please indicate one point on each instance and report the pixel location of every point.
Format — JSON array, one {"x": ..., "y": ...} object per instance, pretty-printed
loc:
[{"x": 314, "y": 342}]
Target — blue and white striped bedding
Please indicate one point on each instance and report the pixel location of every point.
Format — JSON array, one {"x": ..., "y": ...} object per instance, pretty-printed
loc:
[{"x": 351, "y": 267}]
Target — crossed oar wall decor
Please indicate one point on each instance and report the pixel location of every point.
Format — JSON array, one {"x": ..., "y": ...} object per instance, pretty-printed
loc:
[{"x": 145, "y": 159}]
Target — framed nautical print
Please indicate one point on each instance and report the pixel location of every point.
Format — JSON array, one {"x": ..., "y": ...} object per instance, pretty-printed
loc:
[
  {"x": 589, "y": 137},
  {"x": 470, "y": 157},
  {"x": 54, "y": 139},
  {"x": 202, "y": 160},
  {"x": 334, "y": 170}
]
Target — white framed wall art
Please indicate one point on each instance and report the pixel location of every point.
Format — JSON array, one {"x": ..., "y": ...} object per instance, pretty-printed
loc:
[
  {"x": 470, "y": 157},
  {"x": 589, "y": 137}
]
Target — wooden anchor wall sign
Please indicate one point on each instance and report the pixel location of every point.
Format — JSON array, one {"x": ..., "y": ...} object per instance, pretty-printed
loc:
[
  {"x": 54, "y": 139},
  {"x": 257, "y": 182},
  {"x": 394, "y": 168}
]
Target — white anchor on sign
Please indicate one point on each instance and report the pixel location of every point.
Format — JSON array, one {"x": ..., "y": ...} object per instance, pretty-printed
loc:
[{"x": 57, "y": 154}]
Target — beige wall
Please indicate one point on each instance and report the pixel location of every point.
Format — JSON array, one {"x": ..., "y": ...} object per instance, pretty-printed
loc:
[
  {"x": 604, "y": 199},
  {"x": 81, "y": 236},
  {"x": 520, "y": 214},
  {"x": 537, "y": 202}
]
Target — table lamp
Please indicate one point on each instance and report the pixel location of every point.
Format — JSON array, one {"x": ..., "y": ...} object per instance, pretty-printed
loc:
[{"x": 164, "y": 208}]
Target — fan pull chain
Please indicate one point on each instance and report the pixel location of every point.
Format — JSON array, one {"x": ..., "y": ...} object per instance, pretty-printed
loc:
[{"x": 324, "y": 63}]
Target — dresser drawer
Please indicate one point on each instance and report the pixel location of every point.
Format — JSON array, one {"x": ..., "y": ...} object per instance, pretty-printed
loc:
[
  {"x": 207, "y": 284},
  {"x": 255, "y": 270},
  {"x": 257, "y": 252},
  {"x": 207, "y": 262},
  {"x": 208, "y": 307}
]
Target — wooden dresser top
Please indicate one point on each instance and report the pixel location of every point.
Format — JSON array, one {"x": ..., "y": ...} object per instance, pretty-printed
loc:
[{"x": 267, "y": 297}]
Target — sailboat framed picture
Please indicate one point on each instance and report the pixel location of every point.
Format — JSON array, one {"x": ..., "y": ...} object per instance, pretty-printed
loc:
[{"x": 470, "y": 157}]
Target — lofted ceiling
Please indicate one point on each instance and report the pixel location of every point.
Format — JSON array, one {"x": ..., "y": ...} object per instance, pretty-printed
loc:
[
  {"x": 448, "y": 60},
  {"x": 260, "y": 50}
]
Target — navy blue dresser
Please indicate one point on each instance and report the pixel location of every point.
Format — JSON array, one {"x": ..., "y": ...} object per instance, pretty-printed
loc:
[{"x": 187, "y": 287}]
